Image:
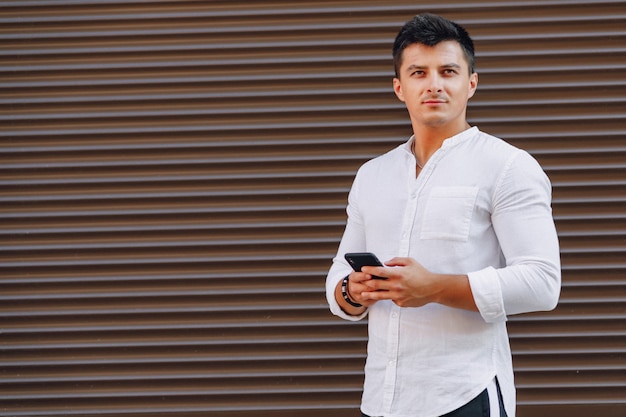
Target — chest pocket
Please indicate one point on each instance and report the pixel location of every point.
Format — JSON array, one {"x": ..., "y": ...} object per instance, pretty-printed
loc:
[{"x": 448, "y": 213}]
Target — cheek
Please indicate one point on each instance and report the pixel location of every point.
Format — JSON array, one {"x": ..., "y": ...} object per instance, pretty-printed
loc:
[{"x": 410, "y": 91}]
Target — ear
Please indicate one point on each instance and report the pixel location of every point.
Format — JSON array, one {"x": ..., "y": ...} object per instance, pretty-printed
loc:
[
  {"x": 397, "y": 88},
  {"x": 473, "y": 84}
]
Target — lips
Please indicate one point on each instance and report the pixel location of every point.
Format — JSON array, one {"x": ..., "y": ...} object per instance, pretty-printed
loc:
[{"x": 437, "y": 100}]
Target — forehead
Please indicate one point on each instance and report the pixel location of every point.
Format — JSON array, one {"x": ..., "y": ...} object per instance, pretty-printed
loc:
[{"x": 443, "y": 53}]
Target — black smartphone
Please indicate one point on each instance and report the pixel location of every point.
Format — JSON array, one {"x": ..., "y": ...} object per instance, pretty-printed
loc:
[{"x": 361, "y": 259}]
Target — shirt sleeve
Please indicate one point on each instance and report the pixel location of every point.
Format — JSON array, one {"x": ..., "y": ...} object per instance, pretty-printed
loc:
[
  {"x": 353, "y": 240},
  {"x": 522, "y": 220}
]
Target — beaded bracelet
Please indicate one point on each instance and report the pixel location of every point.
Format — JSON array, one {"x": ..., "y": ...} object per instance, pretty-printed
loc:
[{"x": 344, "y": 293}]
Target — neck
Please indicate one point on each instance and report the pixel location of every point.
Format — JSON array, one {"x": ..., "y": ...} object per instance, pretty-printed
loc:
[{"x": 428, "y": 140}]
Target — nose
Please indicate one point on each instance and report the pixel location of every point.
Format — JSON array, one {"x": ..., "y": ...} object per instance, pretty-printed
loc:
[{"x": 435, "y": 84}]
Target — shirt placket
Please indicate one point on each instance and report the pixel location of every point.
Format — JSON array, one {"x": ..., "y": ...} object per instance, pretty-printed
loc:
[
  {"x": 408, "y": 219},
  {"x": 391, "y": 370},
  {"x": 393, "y": 333}
]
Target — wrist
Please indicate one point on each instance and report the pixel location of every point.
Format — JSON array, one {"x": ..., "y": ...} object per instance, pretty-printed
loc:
[
  {"x": 454, "y": 291},
  {"x": 345, "y": 292},
  {"x": 345, "y": 307}
]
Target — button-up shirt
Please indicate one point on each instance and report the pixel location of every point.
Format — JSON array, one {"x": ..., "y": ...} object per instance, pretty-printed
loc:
[{"x": 479, "y": 207}]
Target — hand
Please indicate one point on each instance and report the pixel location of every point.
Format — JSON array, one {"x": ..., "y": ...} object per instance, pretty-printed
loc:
[
  {"x": 357, "y": 285},
  {"x": 407, "y": 283}
]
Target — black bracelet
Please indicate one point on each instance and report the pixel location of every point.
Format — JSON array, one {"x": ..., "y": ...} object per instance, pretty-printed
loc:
[{"x": 344, "y": 293}]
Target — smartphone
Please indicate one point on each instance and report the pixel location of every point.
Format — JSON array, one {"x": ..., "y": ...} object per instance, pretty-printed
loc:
[{"x": 361, "y": 259}]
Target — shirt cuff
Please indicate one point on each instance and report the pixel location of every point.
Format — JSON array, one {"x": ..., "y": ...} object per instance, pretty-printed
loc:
[{"x": 485, "y": 285}]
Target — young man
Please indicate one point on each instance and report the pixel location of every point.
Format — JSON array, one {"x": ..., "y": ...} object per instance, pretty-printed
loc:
[{"x": 463, "y": 221}]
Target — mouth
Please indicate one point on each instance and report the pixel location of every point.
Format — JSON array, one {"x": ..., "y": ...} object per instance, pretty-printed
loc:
[{"x": 434, "y": 101}]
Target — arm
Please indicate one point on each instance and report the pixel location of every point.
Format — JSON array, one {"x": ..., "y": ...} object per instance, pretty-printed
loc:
[
  {"x": 522, "y": 220},
  {"x": 353, "y": 240}
]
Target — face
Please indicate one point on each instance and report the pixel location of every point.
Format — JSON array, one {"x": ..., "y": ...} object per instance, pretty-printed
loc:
[{"x": 435, "y": 84}]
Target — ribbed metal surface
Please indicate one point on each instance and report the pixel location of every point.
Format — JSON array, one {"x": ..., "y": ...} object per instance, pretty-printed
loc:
[{"x": 174, "y": 178}]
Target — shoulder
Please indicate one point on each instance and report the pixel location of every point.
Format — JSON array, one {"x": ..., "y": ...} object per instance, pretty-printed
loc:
[
  {"x": 494, "y": 145},
  {"x": 497, "y": 151},
  {"x": 384, "y": 162},
  {"x": 515, "y": 170}
]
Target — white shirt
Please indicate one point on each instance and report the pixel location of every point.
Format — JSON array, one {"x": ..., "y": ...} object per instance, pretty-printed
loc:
[{"x": 479, "y": 207}]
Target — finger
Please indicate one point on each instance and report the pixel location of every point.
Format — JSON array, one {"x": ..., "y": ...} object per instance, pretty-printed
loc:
[
  {"x": 374, "y": 285},
  {"x": 376, "y": 295},
  {"x": 358, "y": 277},
  {"x": 376, "y": 272},
  {"x": 399, "y": 261}
]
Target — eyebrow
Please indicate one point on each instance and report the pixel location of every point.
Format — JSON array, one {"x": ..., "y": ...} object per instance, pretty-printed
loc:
[{"x": 416, "y": 67}]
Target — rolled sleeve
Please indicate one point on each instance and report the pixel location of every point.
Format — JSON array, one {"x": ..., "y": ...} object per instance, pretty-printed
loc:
[{"x": 487, "y": 292}]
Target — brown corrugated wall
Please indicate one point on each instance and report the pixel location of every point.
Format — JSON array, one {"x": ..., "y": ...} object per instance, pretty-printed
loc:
[{"x": 173, "y": 184}]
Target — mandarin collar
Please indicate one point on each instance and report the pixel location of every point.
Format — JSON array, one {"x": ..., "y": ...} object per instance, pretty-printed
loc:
[{"x": 451, "y": 141}]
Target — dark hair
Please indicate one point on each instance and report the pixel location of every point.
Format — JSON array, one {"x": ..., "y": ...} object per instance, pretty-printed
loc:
[{"x": 430, "y": 29}]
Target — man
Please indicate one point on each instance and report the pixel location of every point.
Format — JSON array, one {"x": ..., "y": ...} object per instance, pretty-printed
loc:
[{"x": 464, "y": 223}]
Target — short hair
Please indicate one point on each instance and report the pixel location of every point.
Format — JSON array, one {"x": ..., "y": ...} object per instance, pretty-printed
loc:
[{"x": 430, "y": 29}]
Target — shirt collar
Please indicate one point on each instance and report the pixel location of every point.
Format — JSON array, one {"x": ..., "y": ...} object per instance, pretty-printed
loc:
[{"x": 451, "y": 141}]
